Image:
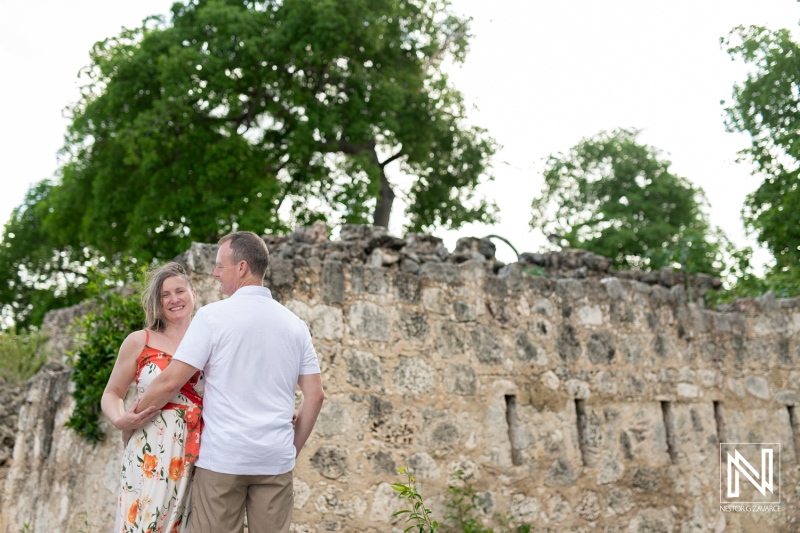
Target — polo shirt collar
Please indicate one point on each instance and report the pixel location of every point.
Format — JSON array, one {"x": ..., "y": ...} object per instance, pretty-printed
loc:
[{"x": 252, "y": 290}]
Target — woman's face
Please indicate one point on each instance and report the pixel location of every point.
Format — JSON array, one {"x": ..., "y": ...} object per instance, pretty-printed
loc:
[{"x": 177, "y": 299}]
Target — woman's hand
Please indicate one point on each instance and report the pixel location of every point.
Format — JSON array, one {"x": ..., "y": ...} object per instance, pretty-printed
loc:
[{"x": 131, "y": 420}]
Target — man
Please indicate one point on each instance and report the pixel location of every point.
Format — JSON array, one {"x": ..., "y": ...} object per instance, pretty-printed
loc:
[{"x": 254, "y": 353}]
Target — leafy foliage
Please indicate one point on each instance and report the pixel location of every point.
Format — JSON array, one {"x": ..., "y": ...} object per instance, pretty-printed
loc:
[
  {"x": 767, "y": 107},
  {"x": 616, "y": 197},
  {"x": 37, "y": 273},
  {"x": 252, "y": 115},
  {"x": 419, "y": 516},
  {"x": 462, "y": 505},
  {"x": 21, "y": 355},
  {"x": 116, "y": 314},
  {"x": 782, "y": 281}
]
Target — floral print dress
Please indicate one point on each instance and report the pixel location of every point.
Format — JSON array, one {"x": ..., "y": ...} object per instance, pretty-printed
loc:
[{"x": 158, "y": 462}]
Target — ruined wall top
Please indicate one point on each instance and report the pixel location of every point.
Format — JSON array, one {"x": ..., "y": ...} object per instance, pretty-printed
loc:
[{"x": 427, "y": 256}]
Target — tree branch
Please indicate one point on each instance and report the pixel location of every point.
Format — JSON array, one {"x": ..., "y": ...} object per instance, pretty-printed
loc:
[
  {"x": 442, "y": 49},
  {"x": 347, "y": 147},
  {"x": 395, "y": 157}
]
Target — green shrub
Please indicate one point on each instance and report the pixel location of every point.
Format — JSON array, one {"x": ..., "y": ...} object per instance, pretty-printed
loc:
[
  {"x": 461, "y": 506},
  {"x": 21, "y": 355},
  {"x": 101, "y": 333},
  {"x": 419, "y": 516}
]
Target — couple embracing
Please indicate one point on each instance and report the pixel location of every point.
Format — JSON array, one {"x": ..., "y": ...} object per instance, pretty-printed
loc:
[{"x": 212, "y": 430}]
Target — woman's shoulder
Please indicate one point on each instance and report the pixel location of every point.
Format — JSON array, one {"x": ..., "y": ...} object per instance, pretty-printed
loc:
[{"x": 134, "y": 342}]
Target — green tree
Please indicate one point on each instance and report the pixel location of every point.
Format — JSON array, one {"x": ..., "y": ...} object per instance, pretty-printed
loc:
[
  {"x": 37, "y": 273},
  {"x": 767, "y": 107},
  {"x": 255, "y": 115},
  {"x": 616, "y": 197}
]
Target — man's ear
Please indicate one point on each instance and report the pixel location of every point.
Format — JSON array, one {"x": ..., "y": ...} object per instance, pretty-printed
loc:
[{"x": 243, "y": 268}]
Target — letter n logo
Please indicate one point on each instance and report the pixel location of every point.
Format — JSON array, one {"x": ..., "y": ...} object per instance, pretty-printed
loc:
[{"x": 739, "y": 469}]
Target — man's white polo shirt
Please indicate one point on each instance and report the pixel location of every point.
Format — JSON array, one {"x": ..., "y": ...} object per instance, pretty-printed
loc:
[{"x": 252, "y": 350}]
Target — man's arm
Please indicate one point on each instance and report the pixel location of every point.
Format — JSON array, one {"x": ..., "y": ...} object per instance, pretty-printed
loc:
[
  {"x": 311, "y": 387},
  {"x": 166, "y": 385}
]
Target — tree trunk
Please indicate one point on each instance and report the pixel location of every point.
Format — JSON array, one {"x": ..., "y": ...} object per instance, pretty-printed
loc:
[{"x": 384, "y": 207}]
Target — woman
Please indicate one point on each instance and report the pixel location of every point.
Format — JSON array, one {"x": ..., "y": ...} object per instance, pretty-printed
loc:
[{"x": 160, "y": 446}]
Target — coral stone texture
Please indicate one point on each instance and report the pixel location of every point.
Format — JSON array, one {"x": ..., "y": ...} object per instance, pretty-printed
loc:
[{"x": 572, "y": 397}]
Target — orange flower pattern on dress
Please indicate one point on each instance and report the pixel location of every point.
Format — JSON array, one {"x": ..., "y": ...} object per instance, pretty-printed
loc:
[
  {"x": 159, "y": 458},
  {"x": 133, "y": 512},
  {"x": 176, "y": 468},
  {"x": 149, "y": 463}
]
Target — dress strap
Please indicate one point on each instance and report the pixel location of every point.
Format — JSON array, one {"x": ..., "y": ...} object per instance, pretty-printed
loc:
[{"x": 146, "y": 337}]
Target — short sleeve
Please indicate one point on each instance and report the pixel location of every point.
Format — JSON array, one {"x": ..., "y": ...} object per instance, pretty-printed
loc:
[
  {"x": 309, "y": 363},
  {"x": 195, "y": 348}
]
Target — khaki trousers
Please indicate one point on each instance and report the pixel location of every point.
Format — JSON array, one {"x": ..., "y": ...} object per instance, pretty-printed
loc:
[{"x": 219, "y": 501}]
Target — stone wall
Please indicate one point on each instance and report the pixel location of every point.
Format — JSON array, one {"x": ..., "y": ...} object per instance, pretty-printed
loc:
[{"x": 578, "y": 399}]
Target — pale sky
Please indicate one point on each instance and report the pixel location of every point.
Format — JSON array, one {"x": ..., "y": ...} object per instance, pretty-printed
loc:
[{"x": 540, "y": 76}]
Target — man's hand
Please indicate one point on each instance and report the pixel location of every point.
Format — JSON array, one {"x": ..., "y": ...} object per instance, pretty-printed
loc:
[
  {"x": 313, "y": 396},
  {"x": 131, "y": 420}
]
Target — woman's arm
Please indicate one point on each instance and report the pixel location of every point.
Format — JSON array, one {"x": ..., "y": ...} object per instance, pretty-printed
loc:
[{"x": 122, "y": 376}]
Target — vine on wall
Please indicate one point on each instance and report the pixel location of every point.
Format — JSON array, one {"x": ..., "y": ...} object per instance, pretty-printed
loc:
[{"x": 101, "y": 332}]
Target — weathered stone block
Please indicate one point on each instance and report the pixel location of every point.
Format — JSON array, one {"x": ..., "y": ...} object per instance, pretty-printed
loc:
[
  {"x": 569, "y": 347},
  {"x": 443, "y": 272},
  {"x": 330, "y": 461},
  {"x": 472, "y": 270},
  {"x": 413, "y": 375},
  {"x": 569, "y": 289},
  {"x": 383, "y": 463},
  {"x": 324, "y": 322},
  {"x": 407, "y": 287},
  {"x": 488, "y": 348},
  {"x": 364, "y": 369},
  {"x": 464, "y": 312},
  {"x": 542, "y": 306},
  {"x": 332, "y": 282},
  {"x": 601, "y": 348},
  {"x": 375, "y": 280},
  {"x": 445, "y": 434},
  {"x": 646, "y": 479},
  {"x": 589, "y": 506},
  {"x": 423, "y": 466},
  {"x": 757, "y": 386},
  {"x": 202, "y": 258},
  {"x": 578, "y": 389},
  {"x": 281, "y": 273},
  {"x": 590, "y": 315},
  {"x": 614, "y": 288},
  {"x": 460, "y": 379},
  {"x": 368, "y": 321},
  {"x": 413, "y": 325},
  {"x": 451, "y": 339},
  {"x": 333, "y": 420},
  {"x": 788, "y": 397},
  {"x": 528, "y": 351},
  {"x": 560, "y": 474}
]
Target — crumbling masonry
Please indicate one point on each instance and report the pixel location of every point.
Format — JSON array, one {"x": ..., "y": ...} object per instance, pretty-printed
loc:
[{"x": 572, "y": 397}]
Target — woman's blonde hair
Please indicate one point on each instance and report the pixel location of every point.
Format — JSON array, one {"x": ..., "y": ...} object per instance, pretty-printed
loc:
[{"x": 151, "y": 295}]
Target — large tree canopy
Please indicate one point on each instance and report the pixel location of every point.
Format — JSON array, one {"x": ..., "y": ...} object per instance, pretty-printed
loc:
[
  {"x": 767, "y": 107},
  {"x": 616, "y": 197},
  {"x": 259, "y": 116}
]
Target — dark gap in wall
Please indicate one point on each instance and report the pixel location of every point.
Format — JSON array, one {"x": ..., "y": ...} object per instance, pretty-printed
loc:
[
  {"x": 513, "y": 429},
  {"x": 669, "y": 426},
  {"x": 720, "y": 422},
  {"x": 580, "y": 410},
  {"x": 795, "y": 425}
]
